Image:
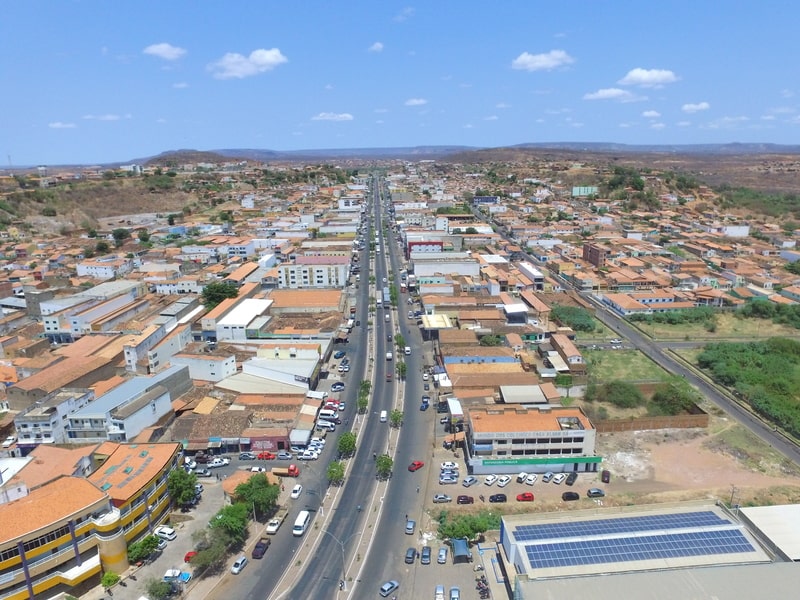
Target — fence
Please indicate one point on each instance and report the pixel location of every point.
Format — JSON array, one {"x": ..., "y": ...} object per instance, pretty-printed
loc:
[{"x": 697, "y": 418}]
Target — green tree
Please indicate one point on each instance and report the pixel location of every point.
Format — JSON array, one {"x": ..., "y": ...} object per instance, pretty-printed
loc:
[
  {"x": 217, "y": 291},
  {"x": 102, "y": 247},
  {"x": 400, "y": 341},
  {"x": 396, "y": 418},
  {"x": 258, "y": 493},
  {"x": 120, "y": 235},
  {"x": 673, "y": 397},
  {"x": 49, "y": 211},
  {"x": 471, "y": 231},
  {"x": 491, "y": 340},
  {"x": 347, "y": 444},
  {"x": 402, "y": 369},
  {"x": 459, "y": 526},
  {"x": 383, "y": 466},
  {"x": 180, "y": 486},
  {"x": 157, "y": 589},
  {"x": 92, "y": 233},
  {"x": 143, "y": 235},
  {"x": 139, "y": 551},
  {"x": 233, "y": 520},
  {"x": 335, "y": 472},
  {"x": 171, "y": 220},
  {"x": 362, "y": 404},
  {"x": 109, "y": 579}
]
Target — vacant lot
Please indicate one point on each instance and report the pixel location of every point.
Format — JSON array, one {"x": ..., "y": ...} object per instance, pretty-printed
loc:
[
  {"x": 728, "y": 327},
  {"x": 629, "y": 365}
]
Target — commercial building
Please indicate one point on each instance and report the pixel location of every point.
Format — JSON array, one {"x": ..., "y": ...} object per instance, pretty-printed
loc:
[{"x": 536, "y": 440}]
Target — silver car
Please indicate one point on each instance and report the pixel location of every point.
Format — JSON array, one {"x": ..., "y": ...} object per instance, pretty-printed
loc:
[{"x": 469, "y": 481}]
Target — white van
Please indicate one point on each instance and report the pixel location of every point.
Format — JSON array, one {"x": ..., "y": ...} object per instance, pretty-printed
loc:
[
  {"x": 383, "y": 416},
  {"x": 328, "y": 414},
  {"x": 322, "y": 424},
  {"x": 389, "y": 356},
  {"x": 317, "y": 395},
  {"x": 301, "y": 523},
  {"x": 408, "y": 350},
  {"x": 386, "y": 317}
]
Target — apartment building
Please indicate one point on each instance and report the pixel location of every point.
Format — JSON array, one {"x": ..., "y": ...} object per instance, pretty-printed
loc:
[
  {"x": 45, "y": 422},
  {"x": 315, "y": 272}
]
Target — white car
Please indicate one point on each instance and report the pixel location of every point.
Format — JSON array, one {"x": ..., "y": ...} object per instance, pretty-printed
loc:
[
  {"x": 308, "y": 455},
  {"x": 425, "y": 377},
  {"x": 258, "y": 469},
  {"x": 218, "y": 462},
  {"x": 318, "y": 440},
  {"x": 503, "y": 481},
  {"x": 531, "y": 479},
  {"x": 490, "y": 479},
  {"x": 449, "y": 465},
  {"x": 559, "y": 479},
  {"x": 240, "y": 564},
  {"x": 296, "y": 491},
  {"x": 165, "y": 533},
  {"x": 547, "y": 477},
  {"x": 273, "y": 526}
]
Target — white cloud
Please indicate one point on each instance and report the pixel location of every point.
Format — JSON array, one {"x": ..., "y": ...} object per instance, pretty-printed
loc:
[
  {"x": 376, "y": 47},
  {"x": 727, "y": 122},
  {"x": 237, "y": 66},
  {"x": 381, "y": 110},
  {"x": 416, "y": 102},
  {"x": 108, "y": 117},
  {"x": 657, "y": 126},
  {"x": 161, "y": 120},
  {"x": 491, "y": 118},
  {"x": 468, "y": 126},
  {"x": 697, "y": 107},
  {"x": 61, "y": 125},
  {"x": 165, "y": 51},
  {"x": 328, "y": 87},
  {"x": 651, "y": 114},
  {"x": 648, "y": 77},
  {"x": 542, "y": 62},
  {"x": 180, "y": 85},
  {"x": 404, "y": 15},
  {"x": 329, "y": 116},
  {"x": 787, "y": 94},
  {"x": 683, "y": 123},
  {"x": 502, "y": 105},
  {"x": 613, "y": 94}
]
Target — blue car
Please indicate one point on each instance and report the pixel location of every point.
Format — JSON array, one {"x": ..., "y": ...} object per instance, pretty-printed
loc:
[{"x": 424, "y": 406}]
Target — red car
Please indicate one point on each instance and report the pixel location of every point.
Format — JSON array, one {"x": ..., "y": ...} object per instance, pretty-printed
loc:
[
  {"x": 416, "y": 465},
  {"x": 265, "y": 456},
  {"x": 525, "y": 497},
  {"x": 189, "y": 556}
]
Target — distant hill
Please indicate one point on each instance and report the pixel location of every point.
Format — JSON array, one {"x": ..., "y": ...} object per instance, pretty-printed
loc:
[{"x": 728, "y": 149}]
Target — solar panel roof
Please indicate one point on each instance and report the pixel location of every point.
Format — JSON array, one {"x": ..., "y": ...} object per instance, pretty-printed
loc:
[
  {"x": 649, "y": 547},
  {"x": 661, "y": 522}
]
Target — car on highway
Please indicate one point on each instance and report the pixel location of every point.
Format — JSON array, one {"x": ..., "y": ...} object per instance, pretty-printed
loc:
[
  {"x": 616, "y": 341},
  {"x": 425, "y": 377},
  {"x": 218, "y": 462},
  {"x": 441, "y": 498},
  {"x": 247, "y": 455},
  {"x": 416, "y": 465},
  {"x": 284, "y": 455},
  {"x": 447, "y": 479},
  {"x": 266, "y": 455},
  {"x": 425, "y": 557},
  {"x": 296, "y": 491},
  {"x": 239, "y": 565},
  {"x": 490, "y": 479},
  {"x": 424, "y": 406},
  {"x": 260, "y": 548},
  {"x": 449, "y": 465},
  {"x": 547, "y": 477},
  {"x": 258, "y": 469},
  {"x": 465, "y": 500},
  {"x": 503, "y": 481},
  {"x": 570, "y": 496},
  {"x": 531, "y": 479},
  {"x": 469, "y": 481},
  {"x": 337, "y": 387},
  {"x": 525, "y": 497},
  {"x": 559, "y": 479},
  {"x": 595, "y": 493},
  {"x": 273, "y": 526},
  {"x": 498, "y": 498},
  {"x": 390, "y": 586},
  {"x": 571, "y": 478}
]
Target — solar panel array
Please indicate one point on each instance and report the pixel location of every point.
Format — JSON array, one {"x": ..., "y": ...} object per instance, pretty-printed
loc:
[
  {"x": 547, "y": 531},
  {"x": 625, "y": 549}
]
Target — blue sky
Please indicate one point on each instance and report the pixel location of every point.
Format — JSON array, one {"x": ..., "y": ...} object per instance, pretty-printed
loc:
[{"x": 92, "y": 82}]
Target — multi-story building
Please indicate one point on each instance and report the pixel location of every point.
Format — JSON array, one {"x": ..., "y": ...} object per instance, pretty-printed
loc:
[
  {"x": 315, "y": 272},
  {"x": 531, "y": 439},
  {"x": 69, "y": 529},
  {"x": 45, "y": 421}
]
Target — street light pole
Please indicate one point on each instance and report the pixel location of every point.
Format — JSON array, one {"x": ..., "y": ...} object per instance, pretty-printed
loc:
[{"x": 343, "y": 581}]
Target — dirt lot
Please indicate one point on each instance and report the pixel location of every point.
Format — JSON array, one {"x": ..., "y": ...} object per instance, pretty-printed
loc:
[{"x": 655, "y": 466}]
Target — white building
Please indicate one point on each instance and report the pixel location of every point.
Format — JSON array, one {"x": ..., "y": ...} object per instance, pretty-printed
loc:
[
  {"x": 315, "y": 272},
  {"x": 233, "y": 326},
  {"x": 207, "y": 367},
  {"x": 45, "y": 422},
  {"x": 104, "y": 268}
]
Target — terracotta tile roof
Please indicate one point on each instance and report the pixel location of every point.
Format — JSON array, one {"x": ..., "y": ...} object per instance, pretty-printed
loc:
[{"x": 57, "y": 501}]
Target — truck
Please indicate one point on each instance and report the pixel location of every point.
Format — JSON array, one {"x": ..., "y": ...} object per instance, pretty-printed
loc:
[
  {"x": 261, "y": 547},
  {"x": 276, "y": 522},
  {"x": 290, "y": 471}
]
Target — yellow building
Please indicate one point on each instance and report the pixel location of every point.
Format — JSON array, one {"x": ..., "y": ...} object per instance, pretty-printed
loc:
[{"x": 70, "y": 528}]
